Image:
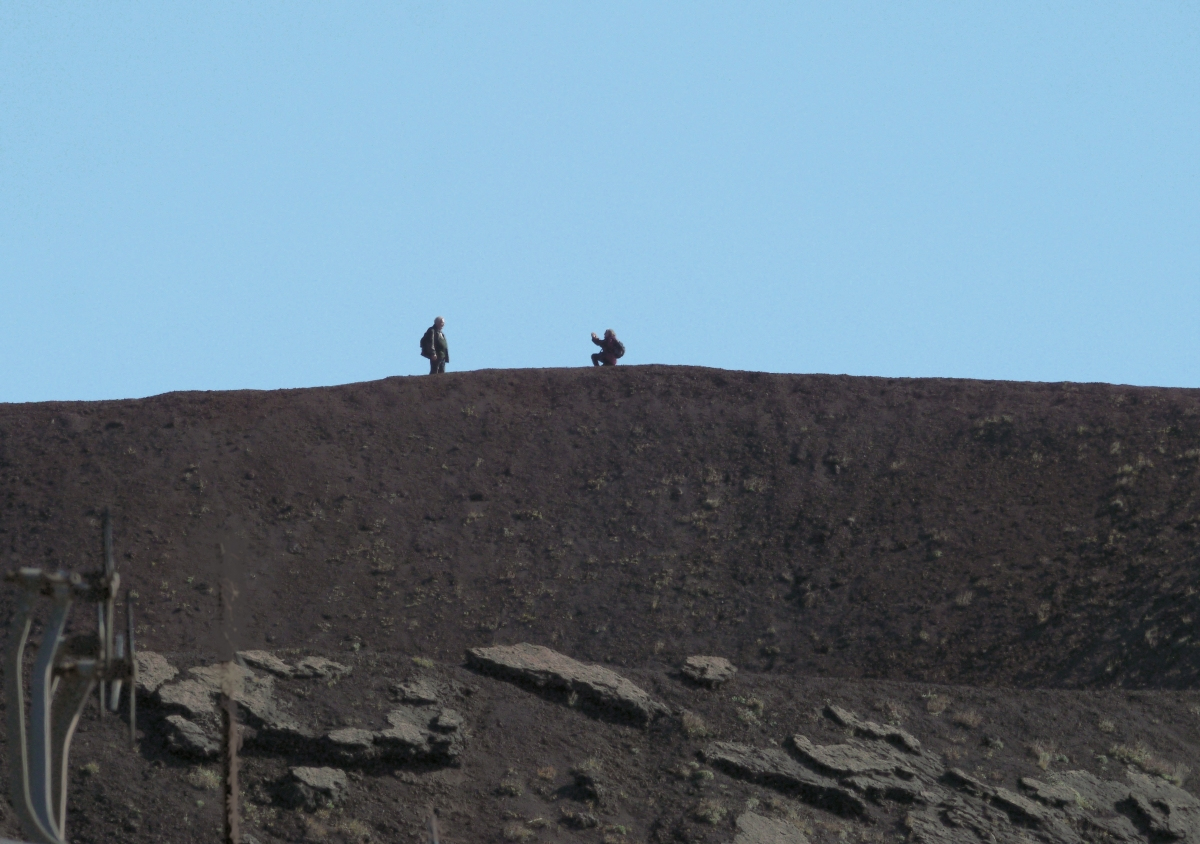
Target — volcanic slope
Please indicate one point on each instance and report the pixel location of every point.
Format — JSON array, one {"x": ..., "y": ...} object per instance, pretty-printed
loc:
[{"x": 949, "y": 531}]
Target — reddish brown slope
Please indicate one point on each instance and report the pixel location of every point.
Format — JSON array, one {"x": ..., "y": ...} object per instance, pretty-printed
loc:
[{"x": 952, "y": 531}]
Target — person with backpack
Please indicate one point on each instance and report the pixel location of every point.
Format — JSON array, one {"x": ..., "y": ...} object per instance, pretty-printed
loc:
[
  {"x": 435, "y": 347},
  {"x": 611, "y": 349}
]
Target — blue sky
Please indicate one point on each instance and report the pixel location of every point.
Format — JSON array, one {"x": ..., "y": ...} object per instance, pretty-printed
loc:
[{"x": 266, "y": 195}]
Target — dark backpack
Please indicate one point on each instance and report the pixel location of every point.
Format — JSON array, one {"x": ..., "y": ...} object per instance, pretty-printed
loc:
[
  {"x": 427, "y": 344},
  {"x": 620, "y": 350}
]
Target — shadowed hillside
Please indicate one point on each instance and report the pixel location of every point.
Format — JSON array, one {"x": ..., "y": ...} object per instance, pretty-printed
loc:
[{"x": 947, "y": 531}]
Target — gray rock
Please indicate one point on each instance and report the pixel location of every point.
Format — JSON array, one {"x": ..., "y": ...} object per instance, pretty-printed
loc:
[
  {"x": 951, "y": 806},
  {"x": 775, "y": 767},
  {"x": 315, "y": 788},
  {"x": 189, "y": 739},
  {"x": 1166, "y": 810},
  {"x": 320, "y": 668},
  {"x": 352, "y": 745},
  {"x": 222, "y": 677},
  {"x": 711, "y": 671},
  {"x": 545, "y": 668},
  {"x": 263, "y": 711},
  {"x": 413, "y": 735},
  {"x": 153, "y": 670},
  {"x": 1051, "y": 795},
  {"x": 843, "y": 760},
  {"x": 415, "y": 691},
  {"x": 352, "y": 738},
  {"x": 756, "y": 829},
  {"x": 197, "y": 697},
  {"x": 266, "y": 661},
  {"x": 962, "y": 822},
  {"x": 447, "y": 721},
  {"x": 870, "y": 729},
  {"x": 197, "y": 700},
  {"x": 876, "y": 769}
]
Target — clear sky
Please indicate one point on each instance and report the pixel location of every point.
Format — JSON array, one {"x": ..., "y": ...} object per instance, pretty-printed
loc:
[{"x": 262, "y": 195}]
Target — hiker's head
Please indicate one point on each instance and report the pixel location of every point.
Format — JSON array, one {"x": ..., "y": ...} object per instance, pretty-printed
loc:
[
  {"x": 439, "y": 323},
  {"x": 609, "y": 334}
]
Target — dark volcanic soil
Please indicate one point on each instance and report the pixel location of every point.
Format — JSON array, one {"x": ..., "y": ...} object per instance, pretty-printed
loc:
[{"x": 845, "y": 539}]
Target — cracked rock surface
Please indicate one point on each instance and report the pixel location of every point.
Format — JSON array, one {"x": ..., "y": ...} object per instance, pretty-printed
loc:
[
  {"x": 877, "y": 766},
  {"x": 544, "y": 668}
]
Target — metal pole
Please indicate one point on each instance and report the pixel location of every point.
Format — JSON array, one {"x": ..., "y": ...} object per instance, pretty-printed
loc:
[
  {"x": 233, "y": 743},
  {"x": 433, "y": 826},
  {"x": 133, "y": 671}
]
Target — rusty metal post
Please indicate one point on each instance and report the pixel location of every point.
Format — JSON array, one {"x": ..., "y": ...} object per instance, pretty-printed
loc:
[
  {"x": 433, "y": 826},
  {"x": 233, "y": 743}
]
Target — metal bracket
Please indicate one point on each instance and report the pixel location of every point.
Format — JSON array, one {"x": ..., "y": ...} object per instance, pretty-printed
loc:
[{"x": 39, "y": 735}]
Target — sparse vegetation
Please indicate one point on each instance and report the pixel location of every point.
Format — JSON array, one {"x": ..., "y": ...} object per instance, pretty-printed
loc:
[
  {"x": 422, "y": 662},
  {"x": 709, "y": 811},
  {"x": 1105, "y": 725},
  {"x": 694, "y": 726},
  {"x": 355, "y": 830},
  {"x": 1043, "y": 753},
  {"x": 936, "y": 704},
  {"x": 511, "y": 785},
  {"x": 205, "y": 779},
  {"x": 517, "y": 832},
  {"x": 893, "y": 711},
  {"x": 1142, "y": 757},
  {"x": 967, "y": 718}
]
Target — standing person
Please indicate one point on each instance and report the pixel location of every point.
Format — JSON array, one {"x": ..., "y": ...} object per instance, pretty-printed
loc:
[
  {"x": 611, "y": 349},
  {"x": 435, "y": 347}
]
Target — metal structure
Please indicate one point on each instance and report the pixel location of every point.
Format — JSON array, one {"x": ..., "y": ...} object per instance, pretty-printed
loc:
[{"x": 63, "y": 675}]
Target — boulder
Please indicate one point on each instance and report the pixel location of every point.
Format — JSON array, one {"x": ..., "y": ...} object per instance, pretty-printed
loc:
[
  {"x": 315, "y": 788},
  {"x": 421, "y": 734},
  {"x": 447, "y": 721},
  {"x": 352, "y": 744},
  {"x": 320, "y": 668},
  {"x": 870, "y": 729},
  {"x": 711, "y": 671},
  {"x": 189, "y": 739},
  {"x": 757, "y": 829},
  {"x": 222, "y": 677},
  {"x": 266, "y": 661},
  {"x": 153, "y": 670},
  {"x": 415, "y": 691},
  {"x": 197, "y": 700},
  {"x": 1051, "y": 795},
  {"x": 775, "y": 767},
  {"x": 544, "y": 668},
  {"x": 1166, "y": 810}
]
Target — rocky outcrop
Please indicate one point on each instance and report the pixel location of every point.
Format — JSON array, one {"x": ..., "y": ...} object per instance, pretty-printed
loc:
[
  {"x": 428, "y": 734},
  {"x": 757, "y": 829},
  {"x": 415, "y": 691},
  {"x": 153, "y": 670},
  {"x": 424, "y": 733},
  {"x": 309, "y": 668},
  {"x": 315, "y": 788},
  {"x": 543, "y": 668},
  {"x": 776, "y": 768},
  {"x": 711, "y": 671},
  {"x": 320, "y": 668},
  {"x": 266, "y": 661},
  {"x": 879, "y": 765},
  {"x": 187, "y": 739}
]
